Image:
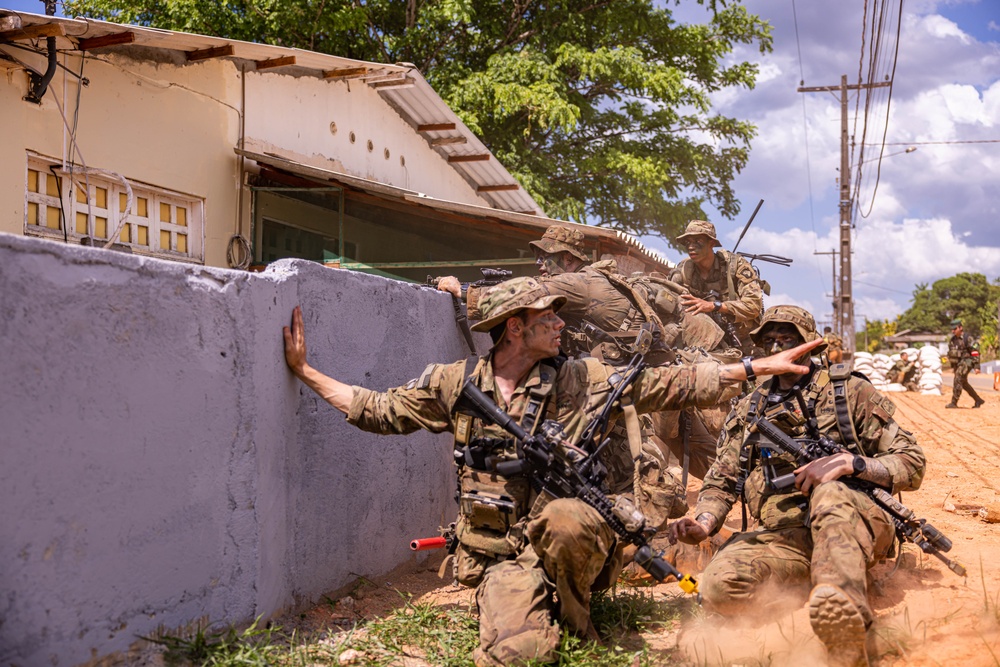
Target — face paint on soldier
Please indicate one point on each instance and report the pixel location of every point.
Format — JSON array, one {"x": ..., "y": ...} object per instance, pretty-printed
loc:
[
  {"x": 779, "y": 337},
  {"x": 541, "y": 332},
  {"x": 699, "y": 249},
  {"x": 550, "y": 264}
]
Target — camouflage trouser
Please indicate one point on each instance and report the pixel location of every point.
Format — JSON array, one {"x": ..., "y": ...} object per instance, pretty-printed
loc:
[
  {"x": 572, "y": 552},
  {"x": 847, "y": 535},
  {"x": 960, "y": 382}
]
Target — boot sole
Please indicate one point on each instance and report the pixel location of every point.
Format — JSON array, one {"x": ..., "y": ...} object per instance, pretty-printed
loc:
[{"x": 839, "y": 625}]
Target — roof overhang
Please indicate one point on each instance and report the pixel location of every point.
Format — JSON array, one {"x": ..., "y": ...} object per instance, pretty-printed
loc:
[
  {"x": 400, "y": 85},
  {"x": 604, "y": 240}
]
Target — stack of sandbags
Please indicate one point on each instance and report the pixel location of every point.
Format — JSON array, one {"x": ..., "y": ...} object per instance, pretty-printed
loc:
[
  {"x": 863, "y": 363},
  {"x": 880, "y": 369},
  {"x": 929, "y": 378}
]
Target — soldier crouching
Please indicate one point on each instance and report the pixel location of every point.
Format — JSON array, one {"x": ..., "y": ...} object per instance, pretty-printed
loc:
[
  {"x": 517, "y": 547},
  {"x": 814, "y": 530}
]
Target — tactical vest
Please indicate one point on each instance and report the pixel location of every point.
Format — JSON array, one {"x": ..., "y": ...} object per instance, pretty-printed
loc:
[{"x": 776, "y": 510}]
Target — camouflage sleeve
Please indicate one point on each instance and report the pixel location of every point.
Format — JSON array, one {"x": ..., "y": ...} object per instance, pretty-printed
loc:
[
  {"x": 676, "y": 387},
  {"x": 422, "y": 403},
  {"x": 750, "y": 299},
  {"x": 677, "y": 273},
  {"x": 883, "y": 438},
  {"x": 718, "y": 489}
]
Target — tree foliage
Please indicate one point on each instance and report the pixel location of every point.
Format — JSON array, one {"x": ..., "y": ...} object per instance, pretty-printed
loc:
[
  {"x": 966, "y": 296},
  {"x": 600, "y": 108}
]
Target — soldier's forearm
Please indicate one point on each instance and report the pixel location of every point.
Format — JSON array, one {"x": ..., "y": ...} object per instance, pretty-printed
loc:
[
  {"x": 334, "y": 392},
  {"x": 876, "y": 473}
]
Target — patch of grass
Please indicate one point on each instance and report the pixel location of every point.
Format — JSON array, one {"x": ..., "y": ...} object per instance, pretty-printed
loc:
[
  {"x": 251, "y": 647},
  {"x": 618, "y": 610}
]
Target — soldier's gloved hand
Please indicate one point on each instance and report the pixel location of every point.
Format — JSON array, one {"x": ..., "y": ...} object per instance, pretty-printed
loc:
[
  {"x": 822, "y": 470},
  {"x": 687, "y": 530},
  {"x": 451, "y": 285}
]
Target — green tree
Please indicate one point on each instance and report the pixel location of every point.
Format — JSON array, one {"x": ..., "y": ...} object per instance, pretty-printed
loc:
[
  {"x": 966, "y": 296},
  {"x": 600, "y": 108}
]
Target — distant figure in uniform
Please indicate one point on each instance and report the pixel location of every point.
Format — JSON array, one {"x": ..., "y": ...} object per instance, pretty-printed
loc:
[
  {"x": 903, "y": 372},
  {"x": 720, "y": 283},
  {"x": 963, "y": 355},
  {"x": 834, "y": 346}
]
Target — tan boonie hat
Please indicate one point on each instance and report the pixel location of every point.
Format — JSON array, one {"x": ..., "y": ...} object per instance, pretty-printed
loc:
[
  {"x": 511, "y": 297},
  {"x": 559, "y": 238},
  {"x": 797, "y": 317},
  {"x": 701, "y": 228}
]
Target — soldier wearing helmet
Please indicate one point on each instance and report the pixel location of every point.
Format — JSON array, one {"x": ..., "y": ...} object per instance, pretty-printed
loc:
[
  {"x": 515, "y": 547},
  {"x": 818, "y": 534},
  {"x": 720, "y": 282}
]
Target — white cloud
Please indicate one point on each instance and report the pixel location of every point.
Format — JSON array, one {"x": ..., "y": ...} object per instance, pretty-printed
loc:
[{"x": 783, "y": 299}]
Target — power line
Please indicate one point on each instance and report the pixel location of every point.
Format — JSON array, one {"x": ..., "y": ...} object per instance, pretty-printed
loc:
[{"x": 937, "y": 143}]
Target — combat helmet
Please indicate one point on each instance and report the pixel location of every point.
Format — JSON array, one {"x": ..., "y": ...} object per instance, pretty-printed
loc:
[
  {"x": 797, "y": 317},
  {"x": 700, "y": 228},
  {"x": 560, "y": 238},
  {"x": 511, "y": 297}
]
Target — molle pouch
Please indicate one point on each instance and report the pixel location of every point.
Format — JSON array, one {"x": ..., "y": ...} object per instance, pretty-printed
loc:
[
  {"x": 789, "y": 510},
  {"x": 487, "y": 510}
]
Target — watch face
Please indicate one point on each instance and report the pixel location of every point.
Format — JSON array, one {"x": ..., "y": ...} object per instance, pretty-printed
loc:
[{"x": 859, "y": 465}]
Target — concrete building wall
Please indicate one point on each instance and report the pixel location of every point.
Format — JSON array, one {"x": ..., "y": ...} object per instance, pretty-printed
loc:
[
  {"x": 175, "y": 126},
  {"x": 158, "y": 462}
]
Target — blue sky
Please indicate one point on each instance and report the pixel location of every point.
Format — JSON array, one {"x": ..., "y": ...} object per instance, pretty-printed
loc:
[{"x": 936, "y": 209}]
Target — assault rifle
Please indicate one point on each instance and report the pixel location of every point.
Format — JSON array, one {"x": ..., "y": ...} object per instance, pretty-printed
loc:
[
  {"x": 566, "y": 470},
  {"x": 908, "y": 527},
  {"x": 490, "y": 277}
]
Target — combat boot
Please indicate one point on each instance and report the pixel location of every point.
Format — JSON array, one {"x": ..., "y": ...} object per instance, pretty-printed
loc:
[
  {"x": 839, "y": 624},
  {"x": 952, "y": 405},
  {"x": 979, "y": 402}
]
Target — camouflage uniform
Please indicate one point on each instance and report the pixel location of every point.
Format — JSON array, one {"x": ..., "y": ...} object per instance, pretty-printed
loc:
[
  {"x": 831, "y": 536},
  {"x": 963, "y": 354},
  {"x": 516, "y": 547},
  {"x": 902, "y": 372},
  {"x": 835, "y": 347},
  {"x": 731, "y": 277},
  {"x": 599, "y": 295}
]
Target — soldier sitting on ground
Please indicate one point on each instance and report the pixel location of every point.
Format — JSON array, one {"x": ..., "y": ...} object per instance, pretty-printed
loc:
[
  {"x": 818, "y": 532},
  {"x": 522, "y": 551},
  {"x": 904, "y": 372}
]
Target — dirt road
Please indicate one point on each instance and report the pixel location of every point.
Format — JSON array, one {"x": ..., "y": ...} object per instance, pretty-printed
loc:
[{"x": 925, "y": 614}]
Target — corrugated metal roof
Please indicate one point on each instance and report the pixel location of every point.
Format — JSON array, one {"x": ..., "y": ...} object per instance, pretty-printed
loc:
[
  {"x": 400, "y": 85},
  {"x": 623, "y": 243}
]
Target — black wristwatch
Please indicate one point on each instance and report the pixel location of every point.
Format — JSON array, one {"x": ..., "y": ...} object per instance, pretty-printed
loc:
[
  {"x": 860, "y": 465},
  {"x": 718, "y": 306},
  {"x": 748, "y": 367}
]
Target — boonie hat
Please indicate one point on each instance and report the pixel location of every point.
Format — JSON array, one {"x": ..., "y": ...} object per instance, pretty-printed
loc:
[
  {"x": 701, "y": 228},
  {"x": 511, "y": 297},
  {"x": 560, "y": 238},
  {"x": 797, "y": 317}
]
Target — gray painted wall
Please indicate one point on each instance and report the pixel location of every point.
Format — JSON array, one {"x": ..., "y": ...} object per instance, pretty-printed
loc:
[{"x": 158, "y": 462}]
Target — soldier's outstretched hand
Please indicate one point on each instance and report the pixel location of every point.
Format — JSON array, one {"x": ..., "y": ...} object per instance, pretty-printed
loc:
[
  {"x": 793, "y": 361},
  {"x": 686, "y": 530},
  {"x": 295, "y": 342}
]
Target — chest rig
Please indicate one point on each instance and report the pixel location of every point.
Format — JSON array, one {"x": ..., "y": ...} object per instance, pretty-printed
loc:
[
  {"x": 492, "y": 508},
  {"x": 765, "y": 473}
]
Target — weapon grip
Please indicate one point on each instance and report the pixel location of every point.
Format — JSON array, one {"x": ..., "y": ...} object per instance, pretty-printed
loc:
[
  {"x": 474, "y": 402},
  {"x": 513, "y": 468}
]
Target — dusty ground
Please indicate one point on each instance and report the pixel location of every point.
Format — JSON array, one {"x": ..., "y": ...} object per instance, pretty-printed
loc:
[{"x": 926, "y": 615}]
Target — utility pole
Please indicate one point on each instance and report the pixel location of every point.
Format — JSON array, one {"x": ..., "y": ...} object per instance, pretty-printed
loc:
[
  {"x": 836, "y": 304},
  {"x": 846, "y": 301}
]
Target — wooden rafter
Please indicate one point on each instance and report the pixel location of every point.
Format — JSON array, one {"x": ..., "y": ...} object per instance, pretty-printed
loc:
[
  {"x": 114, "y": 39},
  {"x": 436, "y": 127},
  {"x": 482, "y": 157},
  {"x": 447, "y": 141},
  {"x": 215, "y": 52},
  {"x": 284, "y": 61},
  {"x": 345, "y": 73},
  {"x": 498, "y": 188}
]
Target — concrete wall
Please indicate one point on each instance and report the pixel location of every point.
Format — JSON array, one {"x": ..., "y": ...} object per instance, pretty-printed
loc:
[{"x": 158, "y": 462}]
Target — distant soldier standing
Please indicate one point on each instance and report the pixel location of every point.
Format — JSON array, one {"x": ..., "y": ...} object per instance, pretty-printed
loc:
[
  {"x": 834, "y": 346},
  {"x": 720, "y": 282},
  {"x": 963, "y": 355}
]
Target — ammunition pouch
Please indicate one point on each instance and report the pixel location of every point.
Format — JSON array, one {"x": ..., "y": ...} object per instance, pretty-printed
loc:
[
  {"x": 774, "y": 510},
  {"x": 491, "y": 519}
]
